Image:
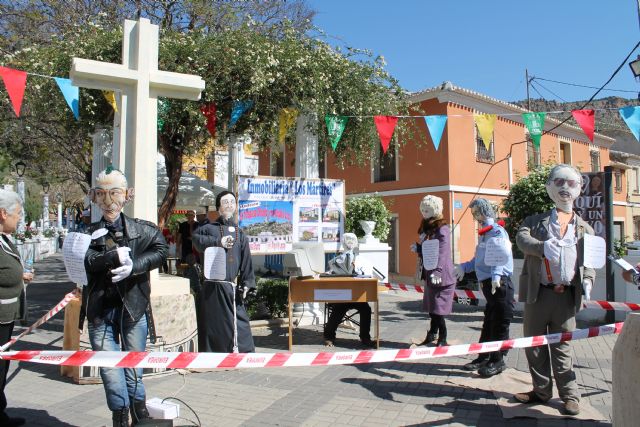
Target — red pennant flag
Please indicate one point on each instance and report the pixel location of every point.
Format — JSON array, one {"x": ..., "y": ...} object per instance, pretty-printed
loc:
[
  {"x": 15, "y": 82},
  {"x": 587, "y": 121},
  {"x": 385, "y": 126},
  {"x": 209, "y": 111}
]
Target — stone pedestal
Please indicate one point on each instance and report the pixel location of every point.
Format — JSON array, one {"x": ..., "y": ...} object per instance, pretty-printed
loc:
[
  {"x": 377, "y": 254},
  {"x": 626, "y": 375},
  {"x": 174, "y": 315}
]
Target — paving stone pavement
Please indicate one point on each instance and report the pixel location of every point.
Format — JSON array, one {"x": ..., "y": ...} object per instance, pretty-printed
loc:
[{"x": 382, "y": 394}]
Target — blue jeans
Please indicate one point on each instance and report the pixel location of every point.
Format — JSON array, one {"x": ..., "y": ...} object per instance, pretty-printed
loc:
[{"x": 121, "y": 385}]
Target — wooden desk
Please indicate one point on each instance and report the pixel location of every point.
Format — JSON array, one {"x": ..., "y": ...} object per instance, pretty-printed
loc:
[{"x": 333, "y": 290}]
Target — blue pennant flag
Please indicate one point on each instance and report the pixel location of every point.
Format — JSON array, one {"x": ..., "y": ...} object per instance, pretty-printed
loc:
[
  {"x": 239, "y": 108},
  {"x": 435, "y": 124},
  {"x": 631, "y": 116},
  {"x": 71, "y": 95}
]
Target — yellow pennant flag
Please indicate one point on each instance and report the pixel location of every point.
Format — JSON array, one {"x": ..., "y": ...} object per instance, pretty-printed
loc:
[
  {"x": 287, "y": 119},
  {"x": 110, "y": 96},
  {"x": 485, "y": 123}
]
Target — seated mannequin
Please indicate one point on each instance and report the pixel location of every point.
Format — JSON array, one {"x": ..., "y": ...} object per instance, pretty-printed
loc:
[{"x": 345, "y": 263}]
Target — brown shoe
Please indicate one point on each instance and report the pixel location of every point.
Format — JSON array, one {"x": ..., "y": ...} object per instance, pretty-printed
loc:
[
  {"x": 571, "y": 407},
  {"x": 528, "y": 397}
]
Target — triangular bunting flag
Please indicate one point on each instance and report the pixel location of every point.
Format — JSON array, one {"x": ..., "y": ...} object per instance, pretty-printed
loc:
[
  {"x": 209, "y": 111},
  {"x": 71, "y": 95},
  {"x": 287, "y": 119},
  {"x": 239, "y": 108},
  {"x": 385, "y": 126},
  {"x": 631, "y": 116},
  {"x": 485, "y": 123},
  {"x": 335, "y": 128},
  {"x": 535, "y": 123},
  {"x": 15, "y": 82},
  {"x": 587, "y": 121},
  {"x": 435, "y": 124},
  {"x": 110, "y": 96}
]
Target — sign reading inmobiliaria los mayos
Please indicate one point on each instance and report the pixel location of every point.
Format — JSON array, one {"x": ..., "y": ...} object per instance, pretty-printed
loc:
[
  {"x": 275, "y": 212},
  {"x": 590, "y": 204}
]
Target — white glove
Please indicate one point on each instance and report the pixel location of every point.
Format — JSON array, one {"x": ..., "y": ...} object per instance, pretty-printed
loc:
[
  {"x": 586, "y": 286},
  {"x": 457, "y": 269},
  {"x": 123, "y": 271},
  {"x": 124, "y": 254},
  {"x": 495, "y": 284},
  {"x": 227, "y": 242},
  {"x": 436, "y": 278},
  {"x": 414, "y": 247}
]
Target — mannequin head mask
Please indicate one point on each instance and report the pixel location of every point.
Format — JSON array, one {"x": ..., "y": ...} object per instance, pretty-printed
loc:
[
  {"x": 431, "y": 207},
  {"x": 482, "y": 209},
  {"x": 226, "y": 205},
  {"x": 349, "y": 241},
  {"x": 111, "y": 193},
  {"x": 563, "y": 186}
]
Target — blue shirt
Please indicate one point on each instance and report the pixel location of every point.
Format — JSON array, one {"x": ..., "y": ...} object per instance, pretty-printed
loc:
[{"x": 484, "y": 271}]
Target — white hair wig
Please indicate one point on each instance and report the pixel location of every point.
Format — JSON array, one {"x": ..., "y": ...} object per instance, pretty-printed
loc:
[{"x": 433, "y": 202}]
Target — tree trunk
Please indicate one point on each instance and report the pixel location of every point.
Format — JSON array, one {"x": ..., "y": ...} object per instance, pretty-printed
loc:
[{"x": 173, "y": 155}]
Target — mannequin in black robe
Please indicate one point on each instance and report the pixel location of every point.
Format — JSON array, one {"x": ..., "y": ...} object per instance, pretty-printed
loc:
[{"x": 215, "y": 329}]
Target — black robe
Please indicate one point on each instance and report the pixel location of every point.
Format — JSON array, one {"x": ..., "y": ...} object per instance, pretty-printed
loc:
[{"x": 215, "y": 328}]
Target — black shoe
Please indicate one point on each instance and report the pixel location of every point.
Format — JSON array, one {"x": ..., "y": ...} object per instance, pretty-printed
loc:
[
  {"x": 431, "y": 337},
  {"x": 139, "y": 412},
  {"x": 476, "y": 364},
  {"x": 442, "y": 343},
  {"x": 492, "y": 368},
  {"x": 368, "y": 343},
  {"x": 120, "y": 417},
  {"x": 7, "y": 421}
]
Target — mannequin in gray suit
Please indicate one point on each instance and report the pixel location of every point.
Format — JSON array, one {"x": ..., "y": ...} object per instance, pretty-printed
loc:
[{"x": 552, "y": 284}]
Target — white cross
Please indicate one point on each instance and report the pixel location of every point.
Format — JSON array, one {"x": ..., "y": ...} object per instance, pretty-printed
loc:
[{"x": 140, "y": 83}]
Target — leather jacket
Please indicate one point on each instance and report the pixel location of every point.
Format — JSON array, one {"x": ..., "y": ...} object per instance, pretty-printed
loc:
[{"x": 148, "y": 252}]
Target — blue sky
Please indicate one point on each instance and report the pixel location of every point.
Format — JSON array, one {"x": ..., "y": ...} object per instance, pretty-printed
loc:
[{"x": 486, "y": 45}]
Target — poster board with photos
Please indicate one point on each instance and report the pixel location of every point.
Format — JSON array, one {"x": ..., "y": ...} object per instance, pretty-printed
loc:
[{"x": 275, "y": 212}]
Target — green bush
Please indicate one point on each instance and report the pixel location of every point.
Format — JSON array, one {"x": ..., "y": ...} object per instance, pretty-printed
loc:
[
  {"x": 273, "y": 292},
  {"x": 367, "y": 208}
]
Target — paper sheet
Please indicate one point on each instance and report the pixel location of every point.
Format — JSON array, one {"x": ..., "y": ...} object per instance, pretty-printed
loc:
[
  {"x": 497, "y": 251},
  {"x": 595, "y": 250},
  {"x": 430, "y": 254},
  {"x": 74, "y": 249},
  {"x": 215, "y": 263}
]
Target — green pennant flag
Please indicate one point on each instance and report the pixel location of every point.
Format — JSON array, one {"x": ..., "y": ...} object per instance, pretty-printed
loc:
[
  {"x": 535, "y": 123},
  {"x": 335, "y": 127}
]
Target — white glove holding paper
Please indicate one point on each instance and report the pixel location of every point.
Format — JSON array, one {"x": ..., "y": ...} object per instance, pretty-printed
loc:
[
  {"x": 586, "y": 287},
  {"x": 124, "y": 253},
  {"x": 457, "y": 269},
  {"x": 436, "y": 278},
  {"x": 123, "y": 271},
  {"x": 227, "y": 242},
  {"x": 495, "y": 284}
]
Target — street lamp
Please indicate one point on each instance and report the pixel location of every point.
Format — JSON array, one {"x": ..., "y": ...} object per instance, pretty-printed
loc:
[
  {"x": 635, "y": 67},
  {"x": 45, "y": 205},
  {"x": 20, "y": 169}
]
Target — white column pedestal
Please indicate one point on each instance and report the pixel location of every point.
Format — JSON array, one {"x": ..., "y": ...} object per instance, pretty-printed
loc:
[{"x": 377, "y": 253}]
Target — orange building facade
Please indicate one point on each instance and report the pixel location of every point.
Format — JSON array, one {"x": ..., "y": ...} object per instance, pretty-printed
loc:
[{"x": 461, "y": 169}]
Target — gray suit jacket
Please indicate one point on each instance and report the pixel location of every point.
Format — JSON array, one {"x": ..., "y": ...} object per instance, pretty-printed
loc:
[{"x": 530, "y": 239}]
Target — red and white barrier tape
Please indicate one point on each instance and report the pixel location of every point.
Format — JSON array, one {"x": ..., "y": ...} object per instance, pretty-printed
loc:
[
  {"x": 478, "y": 295},
  {"x": 55, "y": 310},
  {"x": 116, "y": 359}
]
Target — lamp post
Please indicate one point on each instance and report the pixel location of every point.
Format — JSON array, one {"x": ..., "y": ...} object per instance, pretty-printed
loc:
[
  {"x": 20, "y": 169},
  {"x": 59, "y": 200},
  {"x": 45, "y": 206}
]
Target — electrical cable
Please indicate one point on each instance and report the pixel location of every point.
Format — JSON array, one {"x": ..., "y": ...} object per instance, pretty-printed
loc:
[
  {"x": 617, "y": 70},
  {"x": 585, "y": 86},
  {"x": 550, "y": 91},
  {"x": 199, "y": 423}
]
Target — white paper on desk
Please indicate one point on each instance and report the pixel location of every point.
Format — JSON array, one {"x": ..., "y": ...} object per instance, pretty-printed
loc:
[
  {"x": 497, "y": 251},
  {"x": 595, "y": 249},
  {"x": 430, "y": 254},
  {"x": 215, "y": 263},
  {"x": 332, "y": 294},
  {"x": 74, "y": 249}
]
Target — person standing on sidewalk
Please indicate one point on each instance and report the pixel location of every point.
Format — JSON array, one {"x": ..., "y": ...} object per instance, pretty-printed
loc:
[
  {"x": 552, "y": 284},
  {"x": 497, "y": 287},
  {"x": 12, "y": 279},
  {"x": 116, "y": 300},
  {"x": 440, "y": 281}
]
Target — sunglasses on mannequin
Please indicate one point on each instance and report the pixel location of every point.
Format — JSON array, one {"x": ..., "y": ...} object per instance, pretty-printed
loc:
[{"x": 559, "y": 182}]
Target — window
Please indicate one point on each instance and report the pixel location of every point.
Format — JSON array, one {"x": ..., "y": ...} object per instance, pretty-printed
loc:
[
  {"x": 636, "y": 228},
  {"x": 617, "y": 175},
  {"x": 322, "y": 166},
  {"x": 635, "y": 179},
  {"x": 384, "y": 165},
  {"x": 533, "y": 154},
  {"x": 482, "y": 154},
  {"x": 565, "y": 153},
  {"x": 595, "y": 161},
  {"x": 276, "y": 162}
]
